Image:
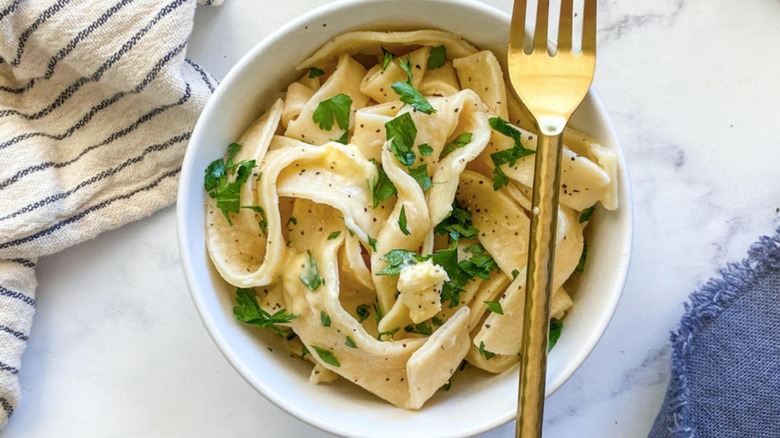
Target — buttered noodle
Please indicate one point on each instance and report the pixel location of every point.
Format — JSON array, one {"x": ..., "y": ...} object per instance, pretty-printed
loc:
[{"x": 394, "y": 264}]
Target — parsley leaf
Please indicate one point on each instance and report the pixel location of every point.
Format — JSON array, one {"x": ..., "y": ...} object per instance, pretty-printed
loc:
[
  {"x": 408, "y": 94},
  {"x": 425, "y": 149},
  {"x": 326, "y": 356},
  {"x": 337, "y": 107},
  {"x": 421, "y": 329},
  {"x": 324, "y": 318},
  {"x": 383, "y": 188},
  {"x": 397, "y": 259},
  {"x": 293, "y": 220},
  {"x": 402, "y": 221},
  {"x": 388, "y": 58},
  {"x": 401, "y": 133},
  {"x": 459, "y": 142},
  {"x": 586, "y": 214},
  {"x": 263, "y": 218},
  {"x": 217, "y": 181},
  {"x": 372, "y": 243},
  {"x": 377, "y": 311},
  {"x": 437, "y": 322},
  {"x": 488, "y": 354},
  {"x": 507, "y": 156},
  {"x": 515, "y": 273},
  {"x": 310, "y": 276},
  {"x": 344, "y": 139},
  {"x": 555, "y": 333},
  {"x": 350, "y": 343},
  {"x": 390, "y": 333},
  {"x": 315, "y": 72},
  {"x": 457, "y": 224},
  {"x": 581, "y": 265},
  {"x": 480, "y": 264},
  {"x": 499, "y": 178},
  {"x": 420, "y": 174},
  {"x": 437, "y": 57},
  {"x": 362, "y": 312},
  {"x": 448, "y": 260},
  {"x": 495, "y": 307},
  {"x": 333, "y": 235},
  {"x": 249, "y": 311},
  {"x": 447, "y": 385}
]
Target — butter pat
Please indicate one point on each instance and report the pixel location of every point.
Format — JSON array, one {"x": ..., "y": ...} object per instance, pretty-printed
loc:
[{"x": 420, "y": 287}]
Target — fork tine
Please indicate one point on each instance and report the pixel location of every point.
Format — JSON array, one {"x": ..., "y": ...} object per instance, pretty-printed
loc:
[
  {"x": 589, "y": 27},
  {"x": 565, "y": 25},
  {"x": 517, "y": 28},
  {"x": 540, "y": 32}
]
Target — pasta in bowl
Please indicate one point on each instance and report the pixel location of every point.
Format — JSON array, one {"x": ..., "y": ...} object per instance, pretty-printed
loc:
[{"x": 374, "y": 217}]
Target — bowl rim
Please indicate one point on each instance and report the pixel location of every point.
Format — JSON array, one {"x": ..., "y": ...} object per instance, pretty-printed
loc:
[{"x": 219, "y": 337}]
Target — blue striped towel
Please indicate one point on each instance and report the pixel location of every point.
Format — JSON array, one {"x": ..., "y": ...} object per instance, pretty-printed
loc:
[
  {"x": 97, "y": 103},
  {"x": 726, "y": 354}
]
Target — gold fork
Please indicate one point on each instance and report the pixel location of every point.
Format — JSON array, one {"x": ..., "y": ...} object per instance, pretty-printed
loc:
[{"x": 551, "y": 87}]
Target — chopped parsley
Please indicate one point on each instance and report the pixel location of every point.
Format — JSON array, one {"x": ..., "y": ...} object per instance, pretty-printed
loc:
[
  {"x": 217, "y": 182},
  {"x": 401, "y": 133},
  {"x": 324, "y": 318},
  {"x": 398, "y": 259},
  {"x": 459, "y": 142},
  {"x": 336, "y": 107},
  {"x": 555, "y": 333},
  {"x": 372, "y": 243},
  {"x": 293, "y": 220},
  {"x": 390, "y": 333},
  {"x": 362, "y": 312},
  {"x": 581, "y": 264},
  {"x": 437, "y": 57},
  {"x": 437, "y": 322},
  {"x": 507, "y": 156},
  {"x": 315, "y": 72},
  {"x": 421, "y": 329},
  {"x": 487, "y": 354},
  {"x": 249, "y": 311},
  {"x": 333, "y": 235},
  {"x": 495, "y": 307},
  {"x": 310, "y": 276},
  {"x": 586, "y": 214},
  {"x": 408, "y": 94},
  {"x": 344, "y": 139},
  {"x": 304, "y": 351},
  {"x": 447, "y": 385},
  {"x": 388, "y": 58},
  {"x": 499, "y": 178},
  {"x": 420, "y": 174},
  {"x": 402, "y": 221},
  {"x": 263, "y": 222},
  {"x": 326, "y": 356},
  {"x": 425, "y": 149},
  {"x": 515, "y": 273},
  {"x": 350, "y": 343},
  {"x": 457, "y": 224},
  {"x": 382, "y": 188},
  {"x": 480, "y": 264},
  {"x": 377, "y": 311}
]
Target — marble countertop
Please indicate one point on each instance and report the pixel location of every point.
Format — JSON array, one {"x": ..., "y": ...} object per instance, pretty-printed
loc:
[{"x": 117, "y": 349}]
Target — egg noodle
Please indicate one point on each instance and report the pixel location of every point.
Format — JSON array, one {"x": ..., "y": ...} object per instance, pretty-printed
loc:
[{"x": 377, "y": 216}]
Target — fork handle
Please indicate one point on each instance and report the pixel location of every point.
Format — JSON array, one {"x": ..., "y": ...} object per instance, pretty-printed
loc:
[{"x": 536, "y": 320}]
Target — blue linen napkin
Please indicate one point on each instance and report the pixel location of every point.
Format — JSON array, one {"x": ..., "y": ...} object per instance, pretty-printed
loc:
[{"x": 726, "y": 354}]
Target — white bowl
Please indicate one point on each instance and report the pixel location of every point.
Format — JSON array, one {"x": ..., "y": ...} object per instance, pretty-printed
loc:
[{"x": 477, "y": 401}]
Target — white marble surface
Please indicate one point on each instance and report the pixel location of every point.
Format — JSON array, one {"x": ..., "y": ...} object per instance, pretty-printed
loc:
[{"x": 117, "y": 349}]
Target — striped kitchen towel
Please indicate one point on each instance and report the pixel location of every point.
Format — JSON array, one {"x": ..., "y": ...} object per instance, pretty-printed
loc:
[{"x": 97, "y": 104}]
